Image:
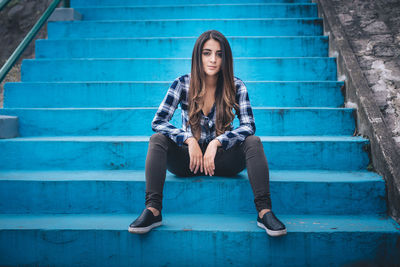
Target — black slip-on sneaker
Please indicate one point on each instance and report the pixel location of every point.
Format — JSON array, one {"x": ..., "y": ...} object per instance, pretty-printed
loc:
[
  {"x": 271, "y": 224},
  {"x": 145, "y": 222}
]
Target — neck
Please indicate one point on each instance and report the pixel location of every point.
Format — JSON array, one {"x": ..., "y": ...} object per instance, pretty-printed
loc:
[{"x": 211, "y": 82}]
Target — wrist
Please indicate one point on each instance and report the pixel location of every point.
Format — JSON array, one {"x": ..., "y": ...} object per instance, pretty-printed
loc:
[
  {"x": 216, "y": 142},
  {"x": 190, "y": 140}
]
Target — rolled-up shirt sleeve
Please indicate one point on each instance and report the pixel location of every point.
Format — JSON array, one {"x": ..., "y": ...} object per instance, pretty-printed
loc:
[
  {"x": 165, "y": 112},
  {"x": 247, "y": 126}
]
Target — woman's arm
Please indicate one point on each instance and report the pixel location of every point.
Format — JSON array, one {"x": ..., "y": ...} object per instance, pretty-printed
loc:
[
  {"x": 247, "y": 126},
  {"x": 230, "y": 138},
  {"x": 165, "y": 112}
]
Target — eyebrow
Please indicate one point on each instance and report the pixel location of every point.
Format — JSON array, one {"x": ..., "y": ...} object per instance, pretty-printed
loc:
[{"x": 206, "y": 49}]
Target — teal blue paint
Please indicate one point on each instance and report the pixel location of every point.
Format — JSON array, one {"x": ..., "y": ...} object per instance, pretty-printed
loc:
[
  {"x": 202, "y": 11},
  {"x": 307, "y": 152},
  {"x": 293, "y": 195},
  {"x": 104, "y": 240},
  {"x": 96, "y": 3},
  {"x": 187, "y": 28},
  {"x": 137, "y": 121},
  {"x": 181, "y": 47},
  {"x": 72, "y": 184},
  {"x": 134, "y": 94},
  {"x": 199, "y": 222},
  {"x": 252, "y": 69},
  {"x": 306, "y": 176}
]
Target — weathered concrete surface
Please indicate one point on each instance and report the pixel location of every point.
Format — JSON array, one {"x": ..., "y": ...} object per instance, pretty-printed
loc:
[
  {"x": 8, "y": 127},
  {"x": 370, "y": 120},
  {"x": 373, "y": 30},
  {"x": 65, "y": 14}
]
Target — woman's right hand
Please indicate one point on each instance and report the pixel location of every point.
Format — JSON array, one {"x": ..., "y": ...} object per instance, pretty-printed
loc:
[{"x": 195, "y": 154}]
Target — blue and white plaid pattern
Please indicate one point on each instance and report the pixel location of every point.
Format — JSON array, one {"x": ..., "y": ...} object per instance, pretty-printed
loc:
[{"x": 178, "y": 93}]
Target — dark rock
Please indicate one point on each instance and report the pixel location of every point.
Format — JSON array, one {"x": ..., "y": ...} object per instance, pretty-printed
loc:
[
  {"x": 382, "y": 38},
  {"x": 28, "y": 9},
  {"x": 383, "y": 50},
  {"x": 376, "y": 27},
  {"x": 346, "y": 19},
  {"x": 365, "y": 63},
  {"x": 15, "y": 12}
]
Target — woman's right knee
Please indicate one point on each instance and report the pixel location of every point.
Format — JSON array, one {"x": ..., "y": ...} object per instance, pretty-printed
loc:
[
  {"x": 158, "y": 138},
  {"x": 252, "y": 140}
]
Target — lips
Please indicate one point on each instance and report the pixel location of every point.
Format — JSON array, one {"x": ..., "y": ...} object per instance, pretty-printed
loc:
[{"x": 212, "y": 67}]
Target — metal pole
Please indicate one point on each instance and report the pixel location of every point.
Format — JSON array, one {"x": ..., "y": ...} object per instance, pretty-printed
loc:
[
  {"x": 3, "y": 3},
  {"x": 28, "y": 38}
]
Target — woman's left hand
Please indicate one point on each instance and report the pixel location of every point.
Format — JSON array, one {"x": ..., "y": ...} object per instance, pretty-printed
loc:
[{"x": 209, "y": 157}]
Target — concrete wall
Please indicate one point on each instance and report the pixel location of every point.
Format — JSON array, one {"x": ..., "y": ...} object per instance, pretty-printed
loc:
[
  {"x": 370, "y": 120},
  {"x": 372, "y": 28}
]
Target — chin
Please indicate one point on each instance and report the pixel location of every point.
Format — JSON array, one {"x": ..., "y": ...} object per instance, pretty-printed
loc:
[{"x": 208, "y": 73}]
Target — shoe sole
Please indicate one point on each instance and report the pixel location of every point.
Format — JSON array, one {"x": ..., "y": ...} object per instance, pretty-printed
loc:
[
  {"x": 271, "y": 232},
  {"x": 143, "y": 230}
]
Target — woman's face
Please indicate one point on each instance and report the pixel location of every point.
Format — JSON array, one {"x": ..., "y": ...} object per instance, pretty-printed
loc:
[{"x": 211, "y": 56}]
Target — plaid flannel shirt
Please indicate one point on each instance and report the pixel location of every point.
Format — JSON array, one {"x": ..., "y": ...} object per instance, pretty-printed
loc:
[{"x": 178, "y": 94}]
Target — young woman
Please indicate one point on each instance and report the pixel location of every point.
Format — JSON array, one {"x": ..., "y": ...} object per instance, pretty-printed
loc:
[{"x": 206, "y": 144}]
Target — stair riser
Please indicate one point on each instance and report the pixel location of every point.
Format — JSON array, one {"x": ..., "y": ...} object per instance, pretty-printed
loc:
[
  {"x": 180, "y": 47},
  {"x": 39, "y": 122},
  {"x": 198, "y": 194},
  {"x": 106, "y": 155},
  {"x": 61, "y": 95},
  {"x": 201, "y": 12},
  {"x": 183, "y": 28},
  {"x": 96, "y": 3},
  {"x": 270, "y": 69},
  {"x": 185, "y": 247}
]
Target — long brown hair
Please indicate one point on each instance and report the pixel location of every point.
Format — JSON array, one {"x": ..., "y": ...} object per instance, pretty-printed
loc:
[{"x": 225, "y": 94}]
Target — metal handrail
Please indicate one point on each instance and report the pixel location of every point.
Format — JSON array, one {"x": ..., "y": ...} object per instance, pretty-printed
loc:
[
  {"x": 3, "y": 3},
  {"x": 29, "y": 37}
]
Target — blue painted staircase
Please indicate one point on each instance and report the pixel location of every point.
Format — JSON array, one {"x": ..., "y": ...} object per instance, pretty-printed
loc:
[{"x": 74, "y": 180}]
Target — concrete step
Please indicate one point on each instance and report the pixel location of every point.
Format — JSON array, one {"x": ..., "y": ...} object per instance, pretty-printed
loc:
[
  {"x": 184, "y": 28},
  {"x": 134, "y": 94},
  {"x": 163, "y": 69},
  {"x": 292, "y": 192},
  {"x": 184, "y": 239},
  {"x": 210, "y": 11},
  {"x": 271, "y": 46},
  {"x": 125, "y": 3},
  {"x": 272, "y": 121},
  {"x": 128, "y": 152}
]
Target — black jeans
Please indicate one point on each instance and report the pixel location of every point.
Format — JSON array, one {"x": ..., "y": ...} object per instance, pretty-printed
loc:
[{"x": 164, "y": 153}]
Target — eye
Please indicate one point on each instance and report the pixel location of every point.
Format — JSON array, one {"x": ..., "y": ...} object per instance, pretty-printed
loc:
[
  {"x": 206, "y": 53},
  {"x": 219, "y": 54}
]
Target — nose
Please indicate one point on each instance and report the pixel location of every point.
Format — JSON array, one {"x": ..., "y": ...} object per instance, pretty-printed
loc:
[{"x": 213, "y": 56}]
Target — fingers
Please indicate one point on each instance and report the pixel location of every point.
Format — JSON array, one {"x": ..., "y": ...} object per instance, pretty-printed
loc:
[
  {"x": 212, "y": 168},
  {"x": 197, "y": 165},
  {"x": 192, "y": 163},
  {"x": 209, "y": 157},
  {"x": 209, "y": 166},
  {"x": 196, "y": 157},
  {"x": 198, "y": 162}
]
